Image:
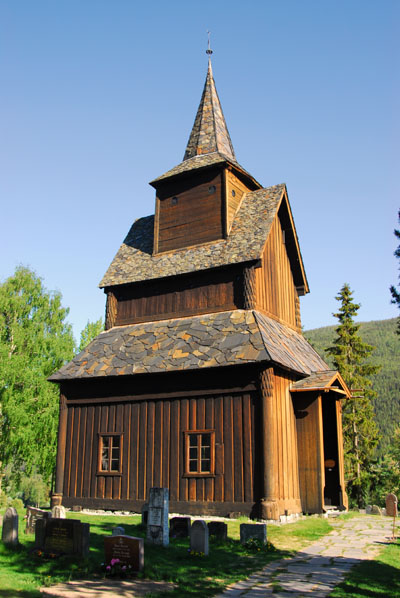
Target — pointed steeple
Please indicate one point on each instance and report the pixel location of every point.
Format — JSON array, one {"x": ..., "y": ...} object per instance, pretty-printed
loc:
[{"x": 209, "y": 133}]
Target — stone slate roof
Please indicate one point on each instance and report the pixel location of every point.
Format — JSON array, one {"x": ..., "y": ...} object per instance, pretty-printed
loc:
[
  {"x": 135, "y": 262},
  {"x": 209, "y": 132},
  {"x": 202, "y": 161},
  {"x": 322, "y": 381},
  {"x": 211, "y": 340}
]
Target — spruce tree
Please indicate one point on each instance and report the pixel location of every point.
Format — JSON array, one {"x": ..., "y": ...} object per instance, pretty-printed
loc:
[
  {"x": 351, "y": 358},
  {"x": 396, "y": 293}
]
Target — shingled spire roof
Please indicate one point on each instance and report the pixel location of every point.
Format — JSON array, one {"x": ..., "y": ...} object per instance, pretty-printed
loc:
[{"x": 209, "y": 133}]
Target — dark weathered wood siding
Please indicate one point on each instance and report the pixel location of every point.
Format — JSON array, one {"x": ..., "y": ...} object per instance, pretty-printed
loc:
[
  {"x": 205, "y": 292},
  {"x": 153, "y": 449},
  {"x": 195, "y": 216}
]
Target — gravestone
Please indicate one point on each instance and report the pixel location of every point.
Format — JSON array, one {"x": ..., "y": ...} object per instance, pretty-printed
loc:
[
  {"x": 129, "y": 550},
  {"x": 219, "y": 529},
  {"x": 145, "y": 513},
  {"x": 375, "y": 510},
  {"x": 157, "y": 521},
  {"x": 118, "y": 531},
  {"x": 199, "y": 537},
  {"x": 253, "y": 531},
  {"x": 9, "y": 533},
  {"x": 179, "y": 527},
  {"x": 62, "y": 536},
  {"x": 391, "y": 505},
  {"x": 58, "y": 512},
  {"x": 32, "y": 515}
]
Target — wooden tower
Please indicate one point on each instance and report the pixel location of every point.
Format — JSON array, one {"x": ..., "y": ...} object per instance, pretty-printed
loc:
[{"x": 202, "y": 381}]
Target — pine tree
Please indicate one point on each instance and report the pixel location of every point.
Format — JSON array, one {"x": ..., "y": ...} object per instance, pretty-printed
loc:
[
  {"x": 351, "y": 358},
  {"x": 396, "y": 293}
]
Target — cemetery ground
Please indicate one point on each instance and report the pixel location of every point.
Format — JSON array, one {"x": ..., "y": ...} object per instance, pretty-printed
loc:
[{"x": 22, "y": 572}]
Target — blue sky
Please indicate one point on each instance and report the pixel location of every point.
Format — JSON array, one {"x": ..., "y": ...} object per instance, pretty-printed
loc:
[{"x": 99, "y": 97}]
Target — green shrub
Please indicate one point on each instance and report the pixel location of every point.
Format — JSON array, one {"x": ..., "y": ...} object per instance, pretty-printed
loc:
[{"x": 17, "y": 503}]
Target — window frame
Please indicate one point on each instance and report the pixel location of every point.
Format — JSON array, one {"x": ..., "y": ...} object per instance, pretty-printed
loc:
[
  {"x": 109, "y": 472},
  {"x": 198, "y": 474}
]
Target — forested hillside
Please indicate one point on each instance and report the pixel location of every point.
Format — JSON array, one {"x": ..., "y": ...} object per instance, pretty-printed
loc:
[{"x": 382, "y": 335}]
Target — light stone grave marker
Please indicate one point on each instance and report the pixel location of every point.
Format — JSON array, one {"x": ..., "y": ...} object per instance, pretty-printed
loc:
[
  {"x": 157, "y": 521},
  {"x": 391, "y": 505},
  {"x": 253, "y": 531},
  {"x": 199, "y": 537},
  {"x": 58, "y": 512},
  {"x": 9, "y": 532},
  {"x": 32, "y": 515},
  {"x": 118, "y": 531}
]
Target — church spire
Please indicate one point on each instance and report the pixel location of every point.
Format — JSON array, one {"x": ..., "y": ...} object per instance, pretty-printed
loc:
[{"x": 209, "y": 133}]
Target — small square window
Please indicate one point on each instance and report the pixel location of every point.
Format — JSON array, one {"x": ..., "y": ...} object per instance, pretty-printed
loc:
[
  {"x": 110, "y": 453},
  {"x": 199, "y": 452}
]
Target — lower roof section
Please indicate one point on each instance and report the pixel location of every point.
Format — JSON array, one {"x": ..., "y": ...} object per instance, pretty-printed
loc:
[{"x": 212, "y": 340}]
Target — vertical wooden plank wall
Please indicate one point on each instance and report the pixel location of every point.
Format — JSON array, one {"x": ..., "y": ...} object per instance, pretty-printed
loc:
[
  {"x": 276, "y": 293},
  {"x": 153, "y": 448}
]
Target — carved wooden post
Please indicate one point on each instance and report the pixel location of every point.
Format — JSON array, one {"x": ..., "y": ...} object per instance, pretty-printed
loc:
[
  {"x": 56, "y": 497},
  {"x": 111, "y": 310},
  {"x": 269, "y": 504},
  {"x": 249, "y": 288}
]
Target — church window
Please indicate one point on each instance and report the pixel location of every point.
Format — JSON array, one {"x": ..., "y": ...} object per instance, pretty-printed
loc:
[
  {"x": 199, "y": 452},
  {"x": 110, "y": 453}
]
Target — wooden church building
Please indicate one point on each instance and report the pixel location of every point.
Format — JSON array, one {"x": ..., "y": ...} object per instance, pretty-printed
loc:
[{"x": 202, "y": 381}]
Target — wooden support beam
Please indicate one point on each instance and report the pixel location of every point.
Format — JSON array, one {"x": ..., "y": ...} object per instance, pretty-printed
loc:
[
  {"x": 269, "y": 503},
  {"x": 56, "y": 497}
]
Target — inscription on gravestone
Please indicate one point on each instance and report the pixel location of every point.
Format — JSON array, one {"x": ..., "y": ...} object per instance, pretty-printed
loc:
[
  {"x": 199, "y": 537},
  {"x": 9, "y": 532},
  {"x": 62, "y": 536},
  {"x": 219, "y": 529},
  {"x": 157, "y": 520},
  {"x": 129, "y": 550}
]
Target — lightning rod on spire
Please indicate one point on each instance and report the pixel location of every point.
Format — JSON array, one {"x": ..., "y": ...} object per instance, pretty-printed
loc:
[{"x": 209, "y": 51}]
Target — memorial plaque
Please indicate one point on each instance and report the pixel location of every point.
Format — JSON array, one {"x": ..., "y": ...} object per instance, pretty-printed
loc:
[
  {"x": 62, "y": 536},
  {"x": 129, "y": 550},
  {"x": 157, "y": 520},
  {"x": 391, "y": 505}
]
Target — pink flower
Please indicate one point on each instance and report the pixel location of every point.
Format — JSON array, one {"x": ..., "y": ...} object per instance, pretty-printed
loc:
[
  {"x": 114, "y": 562},
  {"x": 108, "y": 568},
  {"x": 123, "y": 568}
]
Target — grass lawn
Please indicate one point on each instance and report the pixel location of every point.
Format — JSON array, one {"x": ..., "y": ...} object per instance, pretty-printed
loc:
[
  {"x": 23, "y": 573},
  {"x": 378, "y": 578}
]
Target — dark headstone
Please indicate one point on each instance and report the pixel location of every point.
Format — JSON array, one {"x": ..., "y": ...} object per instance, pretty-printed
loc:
[
  {"x": 391, "y": 505},
  {"x": 9, "y": 533},
  {"x": 32, "y": 515},
  {"x": 129, "y": 550},
  {"x": 179, "y": 527},
  {"x": 253, "y": 531},
  {"x": 62, "y": 536},
  {"x": 145, "y": 513},
  {"x": 118, "y": 531},
  {"x": 157, "y": 521},
  {"x": 199, "y": 537},
  {"x": 219, "y": 529}
]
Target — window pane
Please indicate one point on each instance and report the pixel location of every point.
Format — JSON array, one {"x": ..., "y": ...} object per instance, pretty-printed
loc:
[
  {"x": 116, "y": 440},
  {"x": 193, "y": 453},
  {"x": 205, "y": 440},
  {"x": 205, "y": 464},
  {"x": 193, "y": 439},
  {"x": 115, "y": 465},
  {"x": 205, "y": 452},
  {"x": 193, "y": 465}
]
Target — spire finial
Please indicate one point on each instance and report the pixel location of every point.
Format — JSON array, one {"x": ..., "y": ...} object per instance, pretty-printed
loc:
[{"x": 209, "y": 51}]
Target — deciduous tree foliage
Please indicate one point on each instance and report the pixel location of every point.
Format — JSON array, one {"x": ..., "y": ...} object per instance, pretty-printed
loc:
[
  {"x": 350, "y": 356},
  {"x": 396, "y": 292},
  {"x": 91, "y": 330},
  {"x": 35, "y": 340}
]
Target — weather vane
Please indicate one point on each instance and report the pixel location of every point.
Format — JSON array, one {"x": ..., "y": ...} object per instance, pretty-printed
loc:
[{"x": 209, "y": 51}]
